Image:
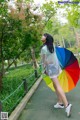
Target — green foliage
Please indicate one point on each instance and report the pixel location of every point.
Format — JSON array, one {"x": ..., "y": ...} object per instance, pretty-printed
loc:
[
  {"x": 13, "y": 79},
  {"x": 62, "y": 33},
  {"x": 74, "y": 50},
  {"x": 48, "y": 10},
  {"x": 18, "y": 34},
  {"x": 72, "y": 12},
  {"x": 73, "y": 17},
  {"x": 10, "y": 83},
  {"x": 52, "y": 26}
]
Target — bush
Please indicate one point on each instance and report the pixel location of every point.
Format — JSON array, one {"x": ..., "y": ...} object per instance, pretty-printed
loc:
[{"x": 12, "y": 80}]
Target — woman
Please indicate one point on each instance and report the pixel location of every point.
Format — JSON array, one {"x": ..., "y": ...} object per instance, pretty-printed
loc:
[{"x": 52, "y": 69}]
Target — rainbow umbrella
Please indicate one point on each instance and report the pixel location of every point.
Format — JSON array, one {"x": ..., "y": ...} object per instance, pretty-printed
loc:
[{"x": 69, "y": 76}]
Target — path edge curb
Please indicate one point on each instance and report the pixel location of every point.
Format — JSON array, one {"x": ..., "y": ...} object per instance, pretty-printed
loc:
[{"x": 17, "y": 111}]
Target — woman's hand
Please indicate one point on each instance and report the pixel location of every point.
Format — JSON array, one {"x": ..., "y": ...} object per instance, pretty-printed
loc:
[{"x": 45, "y": 72}]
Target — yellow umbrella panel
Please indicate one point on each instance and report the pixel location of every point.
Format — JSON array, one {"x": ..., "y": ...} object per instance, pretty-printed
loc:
[{"x": 65, "y": 80}]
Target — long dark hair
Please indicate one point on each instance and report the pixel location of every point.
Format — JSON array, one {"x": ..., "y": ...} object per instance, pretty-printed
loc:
[{"x": 49, "y": 42}]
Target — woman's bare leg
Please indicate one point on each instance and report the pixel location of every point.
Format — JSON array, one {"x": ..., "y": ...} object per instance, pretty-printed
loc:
[
  {"x": 60, "y": 91},
  {"x": 58, "y": 96}
]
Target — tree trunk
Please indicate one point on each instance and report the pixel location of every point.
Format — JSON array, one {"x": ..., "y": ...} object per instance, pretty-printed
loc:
[
  {"x": 76, "y": 38},
  {"x": 69, "y": 44},
  {"x": 8, "y": 62},
  {"x": 33, "y": 57},
  {"x": 34, "y": 61},
  {"x": 63, "y": 42},
  {"x": 3, "y": 70},
  {"x": 15, "y": 58},
  {"x": 15, "y": 63},
  {"x": 1, "y": 58},
  {"x": 1, "y": 74}
]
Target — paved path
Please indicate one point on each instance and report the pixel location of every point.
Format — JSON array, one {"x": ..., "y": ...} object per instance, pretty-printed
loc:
[{"x": 40, "y": 106}]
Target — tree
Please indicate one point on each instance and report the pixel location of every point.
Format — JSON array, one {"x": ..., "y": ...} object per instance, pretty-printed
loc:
[
  {"x": 48, "y": 10},
  {"x": 19, "y": 30},
  {"x": 74, "y": 17}
]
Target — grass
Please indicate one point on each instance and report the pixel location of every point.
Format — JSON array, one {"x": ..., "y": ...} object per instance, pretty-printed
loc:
[{"x": 11, "y": 81}]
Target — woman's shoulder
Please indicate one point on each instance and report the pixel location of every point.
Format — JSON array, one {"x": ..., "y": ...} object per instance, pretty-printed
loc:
[{"x": 44, "y": 49}]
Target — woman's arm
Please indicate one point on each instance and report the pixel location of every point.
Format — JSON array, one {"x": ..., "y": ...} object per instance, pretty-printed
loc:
[
  {"x": 43, "y": 62},
  {"x": 43, "y": 58}
]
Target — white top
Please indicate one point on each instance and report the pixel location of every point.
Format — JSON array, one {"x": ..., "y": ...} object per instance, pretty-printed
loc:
[{"x": 49, "y": 58}]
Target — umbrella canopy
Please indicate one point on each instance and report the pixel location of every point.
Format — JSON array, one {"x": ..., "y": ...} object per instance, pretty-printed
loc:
[{"x": 69, "y": 76}]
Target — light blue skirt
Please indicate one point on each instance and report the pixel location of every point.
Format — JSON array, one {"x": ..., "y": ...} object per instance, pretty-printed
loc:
[{"x": 52, "y": 71}]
